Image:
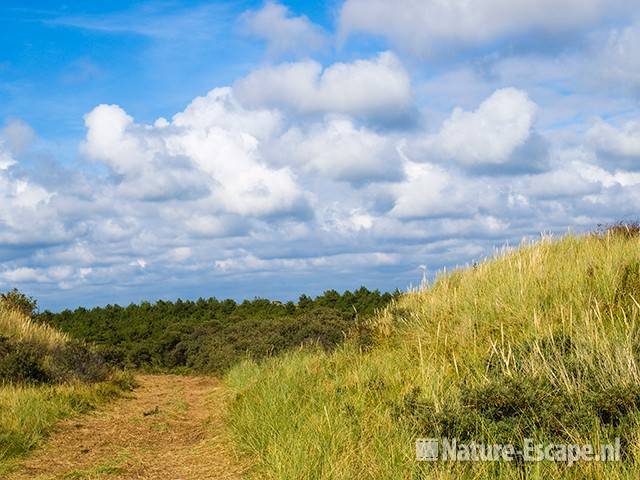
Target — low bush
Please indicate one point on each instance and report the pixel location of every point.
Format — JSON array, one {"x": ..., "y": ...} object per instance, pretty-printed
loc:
[
  {"x": 22, "y": 362},
  {"x": 628, "y": 229}
]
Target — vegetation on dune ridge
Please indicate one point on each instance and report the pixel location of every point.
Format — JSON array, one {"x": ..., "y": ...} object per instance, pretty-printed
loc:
[
  {"x": 539, "y": 342},
  {"x": 16, "y": 322},
  {"x": 44, "y": 377},
  {"x": 32, "y": 352}
]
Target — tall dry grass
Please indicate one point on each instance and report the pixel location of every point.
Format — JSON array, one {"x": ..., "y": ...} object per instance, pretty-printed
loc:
[{"x": 18, "y": 326}]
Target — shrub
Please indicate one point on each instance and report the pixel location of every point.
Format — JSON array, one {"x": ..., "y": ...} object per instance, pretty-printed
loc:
[
  {"x": 613, "y": 404},
  {"x": 75, "y": 360},
  {"x": 624, "y": 229},
  {"x": 212, "y": 335},
  {"x": 22, "y": 362}
]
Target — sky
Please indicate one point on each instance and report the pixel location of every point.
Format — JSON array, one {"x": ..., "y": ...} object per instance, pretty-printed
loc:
[{"x": 185, "y": 149}]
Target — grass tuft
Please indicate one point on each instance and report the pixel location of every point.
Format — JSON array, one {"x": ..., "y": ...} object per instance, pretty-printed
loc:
[{"x": 17, "y": 326}]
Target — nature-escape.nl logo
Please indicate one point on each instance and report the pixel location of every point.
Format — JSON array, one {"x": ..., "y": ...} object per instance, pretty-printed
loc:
[{"x": 449, "y": 449}]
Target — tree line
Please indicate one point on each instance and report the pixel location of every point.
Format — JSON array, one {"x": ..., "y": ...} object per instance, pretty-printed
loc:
[{"x": 210, "y": 335}]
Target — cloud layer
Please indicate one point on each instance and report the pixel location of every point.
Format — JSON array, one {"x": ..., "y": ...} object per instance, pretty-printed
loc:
[
  {"x": 422, "y": 26},
  {"x": 308, "y": 174}
]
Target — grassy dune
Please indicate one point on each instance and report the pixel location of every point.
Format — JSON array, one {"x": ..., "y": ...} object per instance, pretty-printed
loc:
[
  {"x": 540, "y": 342},
  {"x": 17, "y": 326},
  {"x": 29, "y": 410}
]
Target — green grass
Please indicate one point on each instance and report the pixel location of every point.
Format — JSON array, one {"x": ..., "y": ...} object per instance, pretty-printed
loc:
[{"x": 542, "y": 341}]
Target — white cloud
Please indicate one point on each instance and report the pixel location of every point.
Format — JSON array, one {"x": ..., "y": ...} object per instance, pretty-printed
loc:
[
  {"x": 572, "y": 179},
  {"x": 283, "y": 32},
  {"x": 109, "y": 140},
  {"x": 488, "y": 136},
  {"x": 377, "y": 87},
  {"x": 431, "y": 191},
  {"x": 208, "y": 152},
  {"x": 23, "y": 274},
  {"x": 421, "y": 26},
  {"x": 339, "y": 150},
  {"x": 17, "y": 135},
  {"x": 27, "y": 211},
  {"x": 620, "y": 142},
  {"x": 219, "y": 108}
]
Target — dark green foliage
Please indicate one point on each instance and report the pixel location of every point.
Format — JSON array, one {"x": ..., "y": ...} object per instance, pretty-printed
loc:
[
  {"x": 506, "y": 409},
  {"x": 613, "y": 404},
  {"x": 29, "y": 362},
  {"x": 77, "y": 361},
  {"x": 518, "y": 407},
  {"x": 22, "y": 362},
  {"x": 509, "y": 409},
  {"x": 210, "y": 335}
]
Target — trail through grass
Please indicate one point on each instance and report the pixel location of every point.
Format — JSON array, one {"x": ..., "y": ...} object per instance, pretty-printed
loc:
[
  {"x": 169, "y": 427},
  {"x": 28, "y": 414}
]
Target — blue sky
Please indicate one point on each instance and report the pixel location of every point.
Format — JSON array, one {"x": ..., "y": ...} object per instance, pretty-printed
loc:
[{"x": 246, "y": 148}]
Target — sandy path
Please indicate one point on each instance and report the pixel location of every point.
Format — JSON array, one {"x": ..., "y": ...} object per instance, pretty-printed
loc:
[{"x": 169, "y": 428}]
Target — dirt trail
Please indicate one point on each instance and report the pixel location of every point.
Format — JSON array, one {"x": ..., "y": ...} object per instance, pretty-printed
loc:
[{"x": 168, "y": 428}]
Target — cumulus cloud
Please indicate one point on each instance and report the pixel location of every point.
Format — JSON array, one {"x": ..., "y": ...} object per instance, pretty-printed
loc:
[
  {"x": 283, "y": 32},
  {"x": 27, "y": 209},
  {"x": 431, "y": 191},
  {"x": 572, "y": 179},
  {"x": 620, "y": 144},
  {"x": 338, "y": 149},
  {"x": 499, "y": 133},
  {"x": 138, "y": 156},
  {"x": 198, "y": 156},
  {"x": 421, "y": 26},
  {"x": 377, "y": 87}
]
